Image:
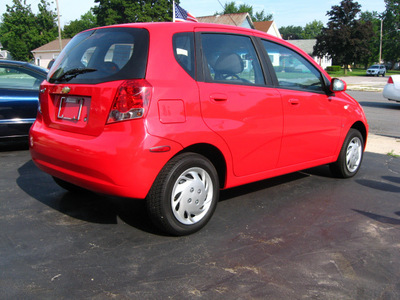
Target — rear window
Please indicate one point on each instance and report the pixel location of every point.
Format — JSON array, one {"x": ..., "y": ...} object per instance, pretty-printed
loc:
[{"x": 102, "y": 55}]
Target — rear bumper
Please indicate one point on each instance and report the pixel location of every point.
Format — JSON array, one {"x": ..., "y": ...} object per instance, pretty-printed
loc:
[
  {"x": 391, "y": 93},
  {"x": 117, "y": 162}
]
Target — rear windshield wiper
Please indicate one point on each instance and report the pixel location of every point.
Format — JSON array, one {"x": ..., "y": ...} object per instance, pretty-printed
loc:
[{"x": 67, "y": 76}]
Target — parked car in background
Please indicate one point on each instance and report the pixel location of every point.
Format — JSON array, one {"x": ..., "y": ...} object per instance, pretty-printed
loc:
[
  {"x": 391, "y": 90},
  {"x": 376, "y": 70},
  {"x": 19, "y": 93},
  {"x": 219, "y": 106}
]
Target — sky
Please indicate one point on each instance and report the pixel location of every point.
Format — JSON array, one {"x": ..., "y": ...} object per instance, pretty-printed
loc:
[{"x": 285, "y": 12}]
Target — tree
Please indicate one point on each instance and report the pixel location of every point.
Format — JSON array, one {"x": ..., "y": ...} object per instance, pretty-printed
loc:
[
  {"x": 312, "y": 30},
  {"x": 86, "y": 21},
  {"x": 391, "y": 31},
  {"x": 231, "y": 8},
  {"x": 22, "y": 31},
  {"x": 291, "y": 32},
  {"x": 110, "y": 12},
  {"x": 374, "y": 19},
  {"x": 345, "y": 39}
]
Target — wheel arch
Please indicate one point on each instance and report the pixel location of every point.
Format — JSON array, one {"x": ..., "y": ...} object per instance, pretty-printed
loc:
[
  {"x": 214, "y": 155},
  {"x": 362, "y": 129}
]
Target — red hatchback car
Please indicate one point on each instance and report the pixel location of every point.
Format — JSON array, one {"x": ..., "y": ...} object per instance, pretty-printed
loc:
[{"x": 174, "y": 112}]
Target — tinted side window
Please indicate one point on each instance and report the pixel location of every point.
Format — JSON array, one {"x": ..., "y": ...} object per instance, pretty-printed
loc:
[
  {"x": 292, "y": 70},
  {"x": 230, "y": 58},
  {"x": 18, "y": 79},
  {"x": 184, "y": 51}
]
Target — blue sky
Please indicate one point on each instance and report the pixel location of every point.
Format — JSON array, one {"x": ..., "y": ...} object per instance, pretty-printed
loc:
[{"x": 285, "y": 12}]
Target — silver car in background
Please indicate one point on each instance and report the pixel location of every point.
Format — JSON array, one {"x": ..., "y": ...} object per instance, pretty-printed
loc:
[
  {"x": 391, "y": 90},
  {"x": 376, "y": 70}
]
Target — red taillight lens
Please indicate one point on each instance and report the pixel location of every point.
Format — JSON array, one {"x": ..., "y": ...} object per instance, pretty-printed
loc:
[
  {"x": 131, "y": 101},
  {"x": 390, "y": 80}
]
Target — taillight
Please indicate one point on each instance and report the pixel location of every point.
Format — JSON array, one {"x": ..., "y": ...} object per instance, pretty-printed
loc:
[
  {"x": 390, "y": 80},
  {"x": 42, "y": 91},
  {"x": 131, "y": 101}
]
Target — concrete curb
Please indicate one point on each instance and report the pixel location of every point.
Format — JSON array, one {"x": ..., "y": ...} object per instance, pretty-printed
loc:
[{"x": 383, "y": 145}]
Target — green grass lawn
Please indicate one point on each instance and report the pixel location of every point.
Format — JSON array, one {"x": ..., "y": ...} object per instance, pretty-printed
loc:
[{"x": 359, "y": 72}]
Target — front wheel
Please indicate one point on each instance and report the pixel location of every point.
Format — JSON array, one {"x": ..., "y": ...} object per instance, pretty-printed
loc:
[
  {"x": 184, "y": 195},
  {"x": 350, "y": 157}
]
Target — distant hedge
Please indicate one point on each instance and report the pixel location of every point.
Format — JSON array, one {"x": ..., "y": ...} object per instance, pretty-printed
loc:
[{"x": 333, "y": 68}]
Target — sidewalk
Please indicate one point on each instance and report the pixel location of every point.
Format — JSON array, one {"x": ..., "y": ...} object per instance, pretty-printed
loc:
[
  {"x": 383, "y": 145},
  {"x": 366, "y": 84}
]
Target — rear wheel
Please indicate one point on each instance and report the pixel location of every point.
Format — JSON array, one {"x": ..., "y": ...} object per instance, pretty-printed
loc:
[
  {"x": 350, "y": 157},
  {"x": 184, "y": 195}
]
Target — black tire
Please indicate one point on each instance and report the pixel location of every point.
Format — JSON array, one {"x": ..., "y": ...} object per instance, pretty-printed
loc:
[
  {"x": 184, "y": 195},
  {"x": 350, "y": 156},
  {"x": 69, "y": 186}
]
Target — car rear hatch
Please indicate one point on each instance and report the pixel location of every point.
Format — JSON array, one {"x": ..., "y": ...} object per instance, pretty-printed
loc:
[{"x": 88, "y": 75}]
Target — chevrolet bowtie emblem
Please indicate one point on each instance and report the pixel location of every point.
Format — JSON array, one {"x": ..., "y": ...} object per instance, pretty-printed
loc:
[{"x": 66, "y": 90}]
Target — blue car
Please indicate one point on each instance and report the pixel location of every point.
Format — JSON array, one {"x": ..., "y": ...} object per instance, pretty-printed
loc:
[{"x": 19, "y": 92}]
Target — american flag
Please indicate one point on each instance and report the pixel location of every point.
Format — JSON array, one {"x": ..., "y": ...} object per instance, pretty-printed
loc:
[{"x": 182, "y": 15}]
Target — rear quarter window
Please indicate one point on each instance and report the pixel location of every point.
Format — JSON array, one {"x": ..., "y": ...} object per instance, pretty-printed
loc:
[
  {"x": 183, "y": 44},
  {"x": 103, "y": 55}
]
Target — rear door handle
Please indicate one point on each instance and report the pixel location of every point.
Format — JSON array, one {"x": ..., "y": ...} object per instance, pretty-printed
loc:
[
  {"x": 219, "y": 97},
  {"x": 294, "y": 101}
]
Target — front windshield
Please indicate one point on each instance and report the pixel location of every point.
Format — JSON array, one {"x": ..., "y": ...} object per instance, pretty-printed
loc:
[{"x": 102, "y": 55}]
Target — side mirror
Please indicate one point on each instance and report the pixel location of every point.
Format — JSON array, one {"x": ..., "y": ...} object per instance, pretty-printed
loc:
[{"x": 337, "y": 85}]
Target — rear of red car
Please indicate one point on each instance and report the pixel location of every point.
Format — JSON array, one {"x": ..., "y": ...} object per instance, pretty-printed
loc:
[{"x": 91, "y": 126}]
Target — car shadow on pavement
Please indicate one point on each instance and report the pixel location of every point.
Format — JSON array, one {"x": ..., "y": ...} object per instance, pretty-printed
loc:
[
  {"x": 94, "y": 208},
  {"x": 85, "y": 206}
]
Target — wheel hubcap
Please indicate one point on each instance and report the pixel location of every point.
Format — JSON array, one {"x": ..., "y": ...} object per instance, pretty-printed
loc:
[
  {"x": 354, "y": 154},
  {"x": 192, "y": 196}
]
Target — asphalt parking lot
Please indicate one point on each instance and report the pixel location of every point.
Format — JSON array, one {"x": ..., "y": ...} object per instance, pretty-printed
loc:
[
  {"x": 301, "y": 236},
  {"x": 304, "y": 235}
]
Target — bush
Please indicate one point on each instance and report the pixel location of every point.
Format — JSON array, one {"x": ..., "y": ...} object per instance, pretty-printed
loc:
[{"x": 333, "y": 68}]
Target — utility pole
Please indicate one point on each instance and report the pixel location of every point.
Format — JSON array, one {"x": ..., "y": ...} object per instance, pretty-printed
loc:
[
  {"x": 59, "y": 27},
  {"x": 380, "y": 44}
]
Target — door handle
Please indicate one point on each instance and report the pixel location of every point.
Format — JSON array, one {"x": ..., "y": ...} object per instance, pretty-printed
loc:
[
  {"x": 219, "y": 97},
  {"x": 294, "y": 101}
]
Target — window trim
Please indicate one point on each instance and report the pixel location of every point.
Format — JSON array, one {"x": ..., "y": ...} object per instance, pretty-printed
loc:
[
  {"x": 325, "y": 82},
  {"x": 193, "y": 73},
  {"x": 202, "y": 68}
]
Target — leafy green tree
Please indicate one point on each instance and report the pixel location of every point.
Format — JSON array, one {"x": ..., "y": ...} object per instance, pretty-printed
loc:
[
  {"x": 374, "y": 45},
  {"x": 231, "y": 8},
  {"x": 312, "y": 30},
  {"x": 21, "y": 30},
  {"x": 391, "y": 31},
  {"x": 345, "y": 39},
  {"x": 110, "y": 12},
  {"x": 291, "y": 32},
  {"x": 86, "y": 21}
]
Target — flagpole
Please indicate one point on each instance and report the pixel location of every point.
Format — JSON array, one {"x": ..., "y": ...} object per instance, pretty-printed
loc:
[{"x": 173, "y": 11}]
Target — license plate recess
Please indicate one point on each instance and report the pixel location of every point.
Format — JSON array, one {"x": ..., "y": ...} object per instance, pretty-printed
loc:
[{"x": 70, "y": 108}]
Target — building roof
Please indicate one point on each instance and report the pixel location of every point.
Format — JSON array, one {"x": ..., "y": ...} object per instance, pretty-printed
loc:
[
  {"x": 263, "y": 26},
  {"x": 305, "y": 45},
  {"x": 268, "y": 27},
  {"x": 53, "y": 46},
  {"x": 228, "y": 19}
]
